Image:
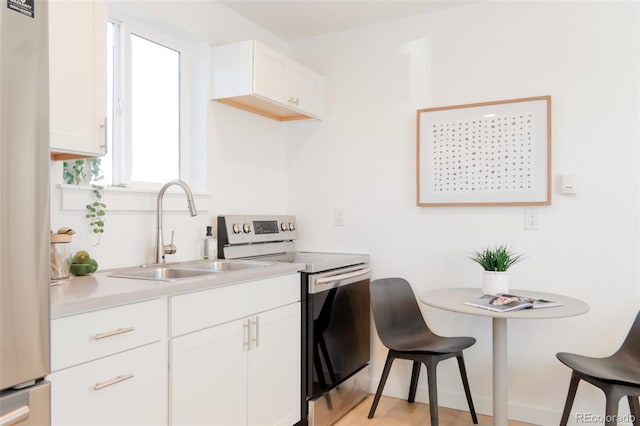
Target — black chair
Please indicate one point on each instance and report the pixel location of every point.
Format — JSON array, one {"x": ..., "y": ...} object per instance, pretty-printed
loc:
[
  {"x": 402, "y": 329},
  {"x": 617, "y": 375}
]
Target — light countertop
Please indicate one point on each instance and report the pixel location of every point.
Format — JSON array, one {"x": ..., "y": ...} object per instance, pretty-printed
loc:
[{"x": 98, "y": 291}]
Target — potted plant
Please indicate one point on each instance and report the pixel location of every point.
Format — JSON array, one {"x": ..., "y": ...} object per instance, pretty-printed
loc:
[{"x": 496, "y": 261}]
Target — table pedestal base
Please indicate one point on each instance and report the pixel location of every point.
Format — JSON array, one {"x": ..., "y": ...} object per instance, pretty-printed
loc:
[{"x": 500, "y": 376}]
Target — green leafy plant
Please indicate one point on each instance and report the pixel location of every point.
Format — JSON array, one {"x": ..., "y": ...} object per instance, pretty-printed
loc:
[
  {"x": 497, "y": 259},
  {"x": 96, "y": 209},
  {"x": 75, "y": 173}
]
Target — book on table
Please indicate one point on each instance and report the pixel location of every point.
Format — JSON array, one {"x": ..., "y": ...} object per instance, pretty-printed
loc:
[{"x": 504, "y": 302}]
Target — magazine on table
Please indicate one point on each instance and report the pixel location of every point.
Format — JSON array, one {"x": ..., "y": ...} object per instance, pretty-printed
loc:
[{"x": 504, "y": 302}]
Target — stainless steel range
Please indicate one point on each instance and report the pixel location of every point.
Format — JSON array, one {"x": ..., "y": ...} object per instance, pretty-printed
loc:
[{"x": 335, "y": 311}]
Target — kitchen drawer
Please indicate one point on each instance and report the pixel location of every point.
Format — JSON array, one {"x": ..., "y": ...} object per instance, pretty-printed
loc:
[
  {"x": 85, "y": 337},
  {"x": 198, "y": 310},
  {"x": 129, "y": 388}
]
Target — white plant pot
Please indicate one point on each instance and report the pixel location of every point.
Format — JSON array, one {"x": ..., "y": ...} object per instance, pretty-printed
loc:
[{"x": 495, "y": 282}]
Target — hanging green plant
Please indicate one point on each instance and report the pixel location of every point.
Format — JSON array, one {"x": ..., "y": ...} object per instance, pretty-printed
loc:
[
  {"x": 96, "y": 209},
  {"x": 75, "y": 173}
]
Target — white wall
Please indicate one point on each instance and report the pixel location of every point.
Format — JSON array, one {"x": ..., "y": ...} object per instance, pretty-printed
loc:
[{"x": 362, "y": 158}]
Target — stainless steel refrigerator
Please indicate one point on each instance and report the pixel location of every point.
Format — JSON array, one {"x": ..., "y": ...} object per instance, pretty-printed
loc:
[{"x": 24, "y": 213}]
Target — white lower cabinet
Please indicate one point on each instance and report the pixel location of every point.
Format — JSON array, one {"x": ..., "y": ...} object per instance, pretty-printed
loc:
[
  {"x": 129, "y": 388},
  {"x": 110, "y": 366},
  {"x": 244, "y": 370},
  {"x": 231, "y": 356},
  {"x": 274, "y": 368},
  {"x": 209, "y": 377}
]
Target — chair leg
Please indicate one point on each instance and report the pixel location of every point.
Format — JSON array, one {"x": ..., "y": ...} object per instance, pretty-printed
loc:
[
  {"x": 467, "y": 390},
  {"x": 433, "y": 391},
  {"x": 571, "y": 395},
  {"x": 383, "y": 380},
  {"x": 634, "y": 406},
  {"x": 415, "y": 374},
  {"x": 611, "y": 414}
]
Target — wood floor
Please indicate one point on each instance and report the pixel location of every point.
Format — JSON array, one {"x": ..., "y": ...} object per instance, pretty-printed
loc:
[{"x": 398, "y": 412}]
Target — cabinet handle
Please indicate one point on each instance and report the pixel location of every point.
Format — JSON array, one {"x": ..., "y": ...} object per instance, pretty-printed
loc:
[
  {"x": 113, "y": 333},
  {"x": 103, "y": 126},
  {"x": 247, "y": 327},
  {"x": 290, "y": 100},
  {"x": 296, "y": 101},
  {"x": 256, "y": 339},
  {"x": 16, "y": 416},
  {"x": 112, "y": 382}
]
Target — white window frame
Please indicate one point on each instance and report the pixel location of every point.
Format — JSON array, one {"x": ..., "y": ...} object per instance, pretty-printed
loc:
[{"x": 125, "y": 26}]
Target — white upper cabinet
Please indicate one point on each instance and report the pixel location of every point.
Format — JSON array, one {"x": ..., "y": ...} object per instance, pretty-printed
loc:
[
  {"x": 77, "y": 78},
  {"x": 252, "y": 77}
]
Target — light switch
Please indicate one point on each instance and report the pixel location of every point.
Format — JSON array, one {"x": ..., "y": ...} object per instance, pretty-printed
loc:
[
  {"x": 531, "y": 219},
  {"x": 569, "y": 184}
]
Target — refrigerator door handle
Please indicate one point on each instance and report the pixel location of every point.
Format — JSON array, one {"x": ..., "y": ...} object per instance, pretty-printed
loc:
[{"x": 16, "y": 416}]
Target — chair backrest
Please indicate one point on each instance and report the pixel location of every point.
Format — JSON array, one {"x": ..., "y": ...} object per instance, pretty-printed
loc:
[{"x": 396, "y": 312}]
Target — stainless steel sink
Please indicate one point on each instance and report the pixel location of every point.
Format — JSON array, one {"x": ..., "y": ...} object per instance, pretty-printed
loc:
[
  {"x": 227, "y": 266},
  {"x": 161, "y": 273},
  {"x": 187, "y": 270}
]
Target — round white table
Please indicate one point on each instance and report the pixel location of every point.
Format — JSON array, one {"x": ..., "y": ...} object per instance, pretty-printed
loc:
[{"x": 452, "y": 299}]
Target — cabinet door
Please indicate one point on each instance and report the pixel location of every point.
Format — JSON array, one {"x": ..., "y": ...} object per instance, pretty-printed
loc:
[
  {"x": 306, "y": 89},
  {"x": 271, "y": 75},
  {"x": 209, "y": 376},
  {"x": 77, "y": 76},
  {"x": 129, "y": 388},
  {"x": 274, "y": 367}
]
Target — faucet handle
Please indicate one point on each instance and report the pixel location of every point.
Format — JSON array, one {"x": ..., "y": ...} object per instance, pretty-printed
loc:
[{"x": 170, "y": 248}]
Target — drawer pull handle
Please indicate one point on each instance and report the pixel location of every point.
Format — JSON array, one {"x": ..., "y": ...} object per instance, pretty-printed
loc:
[
  {"x": 247, "y": 327},
  {"x": 113, "y": 333},
  {"x": 16, "y": 416},
  {"x": 112, "y": 382},
  {"x": 256, "y": 335}
]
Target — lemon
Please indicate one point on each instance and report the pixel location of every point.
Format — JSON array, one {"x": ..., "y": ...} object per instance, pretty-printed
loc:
[
  {"x": 80, "y": 269},
  {"x": 81, "y": 257}
]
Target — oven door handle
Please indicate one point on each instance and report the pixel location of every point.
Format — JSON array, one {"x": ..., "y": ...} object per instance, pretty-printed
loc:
[{"x": 341, "y": 277}]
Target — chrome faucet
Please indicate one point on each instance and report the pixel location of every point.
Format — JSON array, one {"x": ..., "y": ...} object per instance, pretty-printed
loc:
[{"x": 160, "y": 248}]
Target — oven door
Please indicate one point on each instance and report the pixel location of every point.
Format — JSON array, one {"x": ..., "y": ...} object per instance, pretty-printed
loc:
[{"x": 338, "y": 327}]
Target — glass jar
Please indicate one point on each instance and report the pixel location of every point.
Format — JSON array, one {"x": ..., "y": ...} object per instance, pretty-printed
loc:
[{"x": 60, "y": 261}]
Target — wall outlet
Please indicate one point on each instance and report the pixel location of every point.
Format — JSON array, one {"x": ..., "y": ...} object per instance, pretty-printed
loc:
[
  {"x": 338, "y": 217},
  {"x": 531, "y": 219}
]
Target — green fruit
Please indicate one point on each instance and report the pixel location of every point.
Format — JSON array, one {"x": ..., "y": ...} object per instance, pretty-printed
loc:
[
  {"x": 80, "y": 257},
  {"x": 80, "y": 269},
  {"x": 93, "y": 264}
]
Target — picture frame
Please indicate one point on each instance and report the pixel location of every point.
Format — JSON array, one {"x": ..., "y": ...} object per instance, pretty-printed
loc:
[{"x": 494, "y": 153}]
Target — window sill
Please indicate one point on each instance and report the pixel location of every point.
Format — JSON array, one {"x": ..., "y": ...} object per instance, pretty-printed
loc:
[{"x": 76, "y": 197}]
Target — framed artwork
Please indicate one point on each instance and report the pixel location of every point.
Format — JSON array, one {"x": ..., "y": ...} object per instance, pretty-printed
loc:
[{"x": 485, "y": 154}]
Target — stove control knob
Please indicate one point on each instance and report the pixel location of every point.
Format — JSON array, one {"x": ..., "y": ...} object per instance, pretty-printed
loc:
[
  {"x": 284, "y": 226},
  {"x": 246, "y": 228},
  {"x": 236, "y": 228},
  {"x": 292, "y": 226}
]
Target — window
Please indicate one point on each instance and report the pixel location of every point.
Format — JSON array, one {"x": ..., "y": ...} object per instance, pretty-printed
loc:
[{"x": 144, "y": 107}]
